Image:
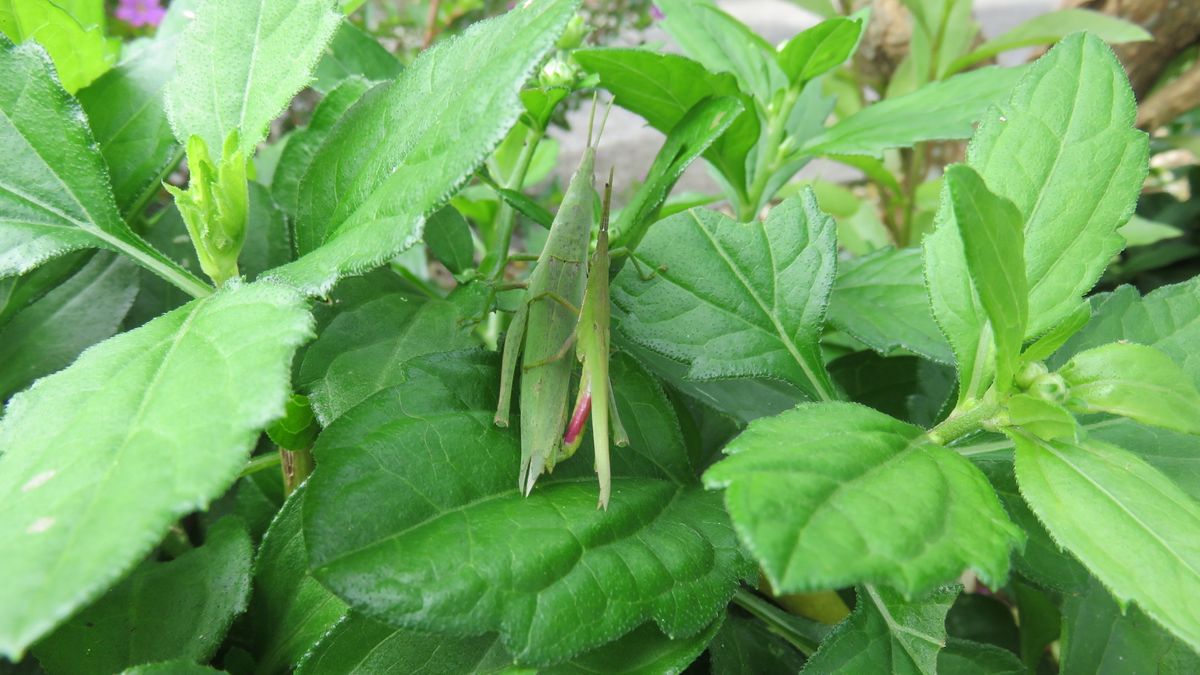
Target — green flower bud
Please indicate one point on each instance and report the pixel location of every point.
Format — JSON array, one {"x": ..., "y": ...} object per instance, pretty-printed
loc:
[
  {"x": 575, "y": 33},
  {"x": 557, "y": 73},
  {"x": 1050, "y": 387},
  {"x": 1029, "y": 373},
  {"x": 215, "y": 205}
]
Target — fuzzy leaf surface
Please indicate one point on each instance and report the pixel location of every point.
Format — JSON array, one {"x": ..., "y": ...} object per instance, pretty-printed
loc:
[
  {"x": 390, "y": 163},
  {"x": 736, "y": 300},
  {"x": 831, "y": 494},
  {"x": 413, "y": 517},
  {"x": 240, "y": 63},
  {"x": 173, "y": 610},
  {"x": 142, "y": 429}
]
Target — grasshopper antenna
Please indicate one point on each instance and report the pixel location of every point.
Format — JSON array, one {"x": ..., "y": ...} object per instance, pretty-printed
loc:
[{"x": 592, "y": 118}]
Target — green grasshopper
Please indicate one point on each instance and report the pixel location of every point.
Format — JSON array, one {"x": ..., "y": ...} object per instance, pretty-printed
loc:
[{"x": 544, "y": 323}]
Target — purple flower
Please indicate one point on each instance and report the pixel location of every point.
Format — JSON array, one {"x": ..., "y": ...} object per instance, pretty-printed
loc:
[
  {"x": 656, "y": 13},
  {"x": 140, "y": 12}
]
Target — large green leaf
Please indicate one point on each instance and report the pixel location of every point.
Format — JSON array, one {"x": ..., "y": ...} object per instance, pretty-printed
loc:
[
  {"x": 1069, "y": 129},
  {"x": 353, "y": 53},
  {"x": 819, "y": 49},
  {"x": 239, "y": 64},
  {"x": 1101, "y": 637},
  {"x": 175, "y": 610},
  {"x": 646, "y": 650},
  {"x": 142, "y": 429},
  {"x": 361, "y": 645},
  {"x": 964, "y": 657},
  {"x": 662, "y": 88},
  {"x": 990, "y": 228},
  {"x": 880, "y": 299},
  {"x": 413, "y": 516},
  {"x": 746, "y": 646},
  {"x": 125, "y": 109},
  {"x": 832, "y": 494},
  {"x": 303, "y": 143},
  {"x": 736, "y": 300},
  {"x": 1048, "y": 28},
  {"x": 48, "y": 334},
  {"x": 1136, "y": 531},
  {"x": 80, "y": 52},
  {"x": 389, "y": 163},
  {"x": 1136, "y": 381},
  {"x": 887, "y": 634},
  {"x": 938, "y": 111},
  {"x": 54, "y": 190},
  {"x": 290, "y": 611}
]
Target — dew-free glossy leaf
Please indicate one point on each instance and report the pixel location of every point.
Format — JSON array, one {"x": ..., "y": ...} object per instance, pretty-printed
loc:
[
  {"x": 440, "y": 539},
  {"x": 54, "y": 189},
  {"x": 361, "y": 645},
  {"x": 239, "y": 64},
  {"x": 125, "y": 109},
  {"x": 964, "y": 657},
  {"x": 1069, "y": 128},
  {"x": 1134, "y": 381},
  {"x": 662, "y": 88},
  {"x": 938, "y": 111},
  {"x": 141, "y": 430},
  {"x": 1048, "y": 28},
  {"x": 1098, "y": 637},
  {"x": 645, "y": 650},
  {"x": 176, "y": 667},
  {"x": 736, "y": 300},
  {"x": 448, "y": 237},
  {"x": 809, "y": 488},
  {"x": 880, "y": 299},
  {"x": 48, "y": 334},
  {"x": 990, "y": 228},
  {"x": 290, "y": 611},
  {"x": 303, "y": 144},
  {"x": 400, "y": 152},
  {"x": 746, "y": 645},
  {"x": 1136, "y": 531},
  {"x": 1042, "y": 418},
  {"x": 80, "y": 52},
  {"x": 353, "y": 53},
  {"x": 173, "y": 610},
  {"x": 819, "y": 49},
  {"x": 887, "y": 634}
]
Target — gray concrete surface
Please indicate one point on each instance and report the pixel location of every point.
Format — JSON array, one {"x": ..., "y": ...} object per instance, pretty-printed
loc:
[{"x": 630, "y": 145}]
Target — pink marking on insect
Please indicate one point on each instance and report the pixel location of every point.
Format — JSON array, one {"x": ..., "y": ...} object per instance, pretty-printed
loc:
[{"x": 578, "y": 418}]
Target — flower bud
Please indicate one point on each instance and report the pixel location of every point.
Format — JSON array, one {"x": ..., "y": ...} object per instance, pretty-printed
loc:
[
  {"x": 557, "y": 73},
  {"x": 1029, "y": 373},
  {"x": 215, "y": 206},
  {"x": 1050, "y": 387},
  {"x": 577, "y": 30}
]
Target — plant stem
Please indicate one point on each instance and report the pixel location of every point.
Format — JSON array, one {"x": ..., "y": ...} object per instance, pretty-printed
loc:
[
  {"x": 768, "y": 157},
  {"x": 778, "y": 621},
  {"x": 963, "y": 421},
  {"x": 506, "y": 216},
  {"x": 296, "y": 465},
  {"x": 260, "y": 463}
]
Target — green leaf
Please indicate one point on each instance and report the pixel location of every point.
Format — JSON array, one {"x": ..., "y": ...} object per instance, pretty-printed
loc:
[
  {"x": 142, "y": 429},
  {"x": 887, "y": 634},
  {"x": 1041, "y": 621},
  {"x": 1141, "y": 231},
  {"x": 448, "y": 237},
  {"x": 125, "y": 109},
  {"x": 389, "y": 163},
  {"x": 289, "y": 612},
  {"x": 723, "y": 45},
  {"x": 303, "y": 144},
  {"x": 990, "y": 227},
  {"x": 805, "y": 488},
  {"x": 361, "y": 645},
  {"x": 1101, "y": 637},
  {"x": 1136, "y": 531},
  {"x": 80, "y": 53},
  {"x": 880, "y": 300},
  {"x": 1167, "y": 319},
  {"x": 906, "y": 387},
  {"x": 173, "y": 610},
  {"x": 1050, "y": 28},
  {"x": 54, "y": 193},
  {"x": 352, "y": 53},
  {"x": 1069, "y": 127},
  {"x": 558, "y": 578},
  {"x": 177, "y": 667},
  {"x": 746, "y": 646},
  {"x": 1042, "y": 418},
  {"x": 984, "y": 619},
  {"x": 1134, "y": 381},
  {"x": 964, "y": 657},
  {"x": 819, "y": 49},
  {"x": 239, "y": 64},
  {"x": 736, "y": 300},
  {"x": 18, "y": 292},
  {"x": 698, "y": 130},
  {"x": 645, "y": 650},
  {"x": 364, "y": 349},
  {"x": 1174, "y": 454},
  {"x": 940, "y": 110},
  {"x": 662, "y": 88},
  {"x": 48, "y": 334}
]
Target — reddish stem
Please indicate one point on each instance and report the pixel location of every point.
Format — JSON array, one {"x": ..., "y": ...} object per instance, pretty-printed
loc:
[{"x": 578, "y": 418}]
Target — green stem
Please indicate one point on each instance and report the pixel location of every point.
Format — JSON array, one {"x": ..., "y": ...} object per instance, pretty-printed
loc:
[
  {"x": 769, "y": 155},
  {"x": 260, "y": 463},
  {"x": 506, "y": 217},
  {"x": 778, "y": 621},
  {"x": 175, "y": 276},
  {"x": 964, "y": 421},
  {"x": 296, "y": 465}
]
